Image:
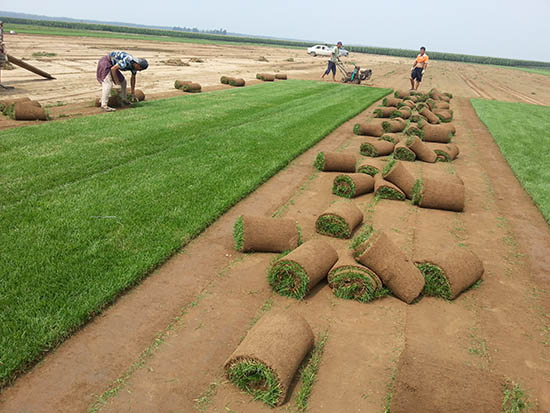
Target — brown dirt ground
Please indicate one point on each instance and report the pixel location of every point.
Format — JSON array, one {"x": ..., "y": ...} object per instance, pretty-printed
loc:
[{"x": 161, "y": 347}]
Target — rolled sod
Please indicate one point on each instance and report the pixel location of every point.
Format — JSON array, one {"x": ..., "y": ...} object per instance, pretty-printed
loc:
[
  {"x": 401, "y": 94},
  {"x": 403, "y": 153},
  {"x": 339, "y": 220},
  {"x": 391, "y": 101},
  {"x": 224, "y": 80},
  {"x": 401, "y": 113},
  {"x": 445, "y": 152},
  {"x": 378, "y": 252},
  {"x": 422, "y": 151},
  {"x": 352, "y": 281},
  {"x": 191, "y": 88},
  {"x": 8, "y": 102},
  {"x": 437, "y": 95},
  {"x": 428, "y": 114},
  {"x": 178, "y": 84},
  {"x": 114, "y": 102},
  {"x": 416, "y": 117},
  {"x": 281, "y": 76},
  {"x": 266, "y": 77},
  {"x": 394, "y": 125},
  {"x": 140, "y": 96},
  {"x": 438, "y": 194},
  {"x": 238, "y": 82},
  {"x": 266, "y": 361},
  {"x": 29, "y": 111},
  {"x": 371, "y": 167},
  {"x": 450, "y": 272},
  {"x": 261, "y": 234},
  {"x": 383, "y": 112},
  {"x": 386, "y": 190},
  {"x": 335, "y": 162},
  {"x": 398, "y": 175},
  {"x": 297, "y": 273},
  {"x": 442, "y": 105},
  {"x": 369, "y": 129},
  {"x": 352, "y": 185},
  {"x": 394, "y": 138},
  {"x": 444, "y": 115},
  {"x": 409, "y": 103},
  {"x": 436, "y": 133},
  {"x": 376, "y": 147}
]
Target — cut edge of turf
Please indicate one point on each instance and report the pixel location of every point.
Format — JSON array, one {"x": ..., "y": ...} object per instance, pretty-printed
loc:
[
  {"x": 352, "y": 283},
  {"x": 385, "y": 192},
  {"x": 238, "y": 234},
  {"x": 418, "y": 191},
  {"x": 343, "y": 186},
  {"x": 368, "y": 169},
  {"x": 436, "y": 284},
  {"x": 319, "y": 162},
  {"x": 333, "y": 226},
  {"x": 404, "y": 154},
  {"x": 358, "y": 244},
  {"x": 288, "y": 278},
  {"x": 368, "y": 149}
]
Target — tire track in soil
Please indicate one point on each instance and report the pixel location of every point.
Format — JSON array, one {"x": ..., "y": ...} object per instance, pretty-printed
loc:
[
  {"x": 476, "y": 89},
  {"x": 518, "y": 95}
]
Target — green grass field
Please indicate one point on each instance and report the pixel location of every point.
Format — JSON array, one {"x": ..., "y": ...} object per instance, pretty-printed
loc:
[
  {"x": 537, "y": 71},
  {"x": 522, "y": 132},
  {"x": 90, "y": 206}
]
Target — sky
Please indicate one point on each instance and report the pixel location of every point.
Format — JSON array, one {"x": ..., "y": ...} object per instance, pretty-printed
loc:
[{"x": 505, "y": 28}]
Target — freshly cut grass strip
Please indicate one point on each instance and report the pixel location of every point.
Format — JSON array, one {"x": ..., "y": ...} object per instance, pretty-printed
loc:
[
  {"x": 436, "y": 133},
  {"x": 394, "y": 138},
  {"x": 445, "y": 152},
  {"x": 352, "y": 281},
  {"x": 281, "y": 76},
  {"x": 376, "y": 147},
  {"x": 335, "y": 161},
  {"x": 29, "y": 111},
  {"x": 268, "y": 358},
  {"x": 371, "y": 166},
  {"x": 352, "y": 185},
  {"x": 391, "y": 101},
  {"x": 438, "y": 194},
  {"x": 383, "y": 112},
  {"x": 422, "y": 151},
  {"x": 261, "y": 234},
  {"x": 394, "y": 125},
  {"x": 339, "y": 220},
  {"x": 379, "y": 253},
  {"x": 449, "y": 273},
  {"x": 428, "y": 114},
  {"x": 297, "y": 273},
  {"x": 444, "y": 115},
  {"x": 397, "y": 174},
  {"x": 369, "y": 129},
  {"x": 403, "y": 153},
  {"x": 386, "y": 190}
]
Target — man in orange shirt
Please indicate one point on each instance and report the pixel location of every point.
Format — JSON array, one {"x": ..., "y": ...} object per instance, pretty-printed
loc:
[{"x": 419, "y": 66}]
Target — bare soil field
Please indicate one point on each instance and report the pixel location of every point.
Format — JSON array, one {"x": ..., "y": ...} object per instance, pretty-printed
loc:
[{"x": 161, "y": 347}]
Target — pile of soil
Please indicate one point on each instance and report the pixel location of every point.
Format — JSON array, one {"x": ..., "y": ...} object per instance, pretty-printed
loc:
[
  {"x": 339, "y": 220},
  {"x": 295, "y": 274},
  {"x": 386, "y": 190},
  {"x": 260, "y": 234},
  {"x": 335, "y": 162},
  {"x": 376, "y": 147},
  {"x": 352, "y": 185},
  {"x": 266, "y": 361},
  {"x": 438, "y": 194}
]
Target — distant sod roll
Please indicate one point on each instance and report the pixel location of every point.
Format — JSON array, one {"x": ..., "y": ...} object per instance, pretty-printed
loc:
[
  {"x": 261, "y": 234},
  {"x": 369, "y": 129},
  {"x": 450, "y": 272},
  {"x": 442, "y": 105},
  {"x": 397, "y": 174},
  {"x": 401, "y": 94},
  {"x": 352, "y": 281},
  {"x": 445, "y": 152},
  {"x": 335, "y": 162},
  {"x": 376, "y": 147},
  {"x": 339, "y": 220},
  {"x": 416, "y": 117},
  {"x": 391, "y": 101},
  {"x": 8, "y": 102},
  {"x": 383, "y": 112},
  {"x": 386, "y": 190},
  {"x": 352, "y": 185},
  {"x": 403, "y": 153},
  {"x": 436, "y": 133},
  {"x": 295, "y": 274},
  {"x": 266, "y": 77},
  {"x": 394, "y": 138},
  {"x": 409, "y": 103},
  {"x": 394, "y": 125},
  {"x": 29, "y": 111},
  {"x": 378, "y": 252},
  {"x": 266, "y": 361},
  {"x": 191, "y": 88},
  {"x": 281, "y": 76},
  {"x": 428, "y": 114},
  {"x": 178, "y": 84},
  {"x": 444, "y": 115},
  {"x": 422, "y": 151},
  {"x": 238, "y": 82},
  {"x": 438, "y": 194},
  {"x": 225, "y": 79},
  {"x": 401, "y": 113},
  {"x": 140, "y": 96},
  {"x": 371, "y": 167}
]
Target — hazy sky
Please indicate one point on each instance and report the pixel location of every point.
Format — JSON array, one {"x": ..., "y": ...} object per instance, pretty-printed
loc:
[{"x": 505, "y": 28}]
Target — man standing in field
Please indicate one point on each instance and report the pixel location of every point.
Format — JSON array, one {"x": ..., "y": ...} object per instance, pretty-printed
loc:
[
  {"x": 418, "y": 68},
  {"x": 332, "y": 61},
  {"x": 108, "y": 73}
]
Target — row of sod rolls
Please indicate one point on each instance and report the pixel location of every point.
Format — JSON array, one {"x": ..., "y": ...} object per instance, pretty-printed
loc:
[
  {"x": 23, "y": 109},
  {"x": 232, "y": 81},
  {"x": 268, "y": 77},
  {"x": 188, "y": 86}
]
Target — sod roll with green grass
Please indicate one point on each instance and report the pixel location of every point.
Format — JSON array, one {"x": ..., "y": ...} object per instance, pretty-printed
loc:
[
  {"x": 335, "y": 162},
  {"x": 396, "y": 172},
  {"x": 28, "y": 111},
  {"x": 237, "y": 82},
  {"x": 352, "y": 281},
  {"x": 414, "y": 131},
  {"x": 266, "y": 77},
  {"x": 445, "y": 152},
  {"x": 394, "y": 138},
  {"x": 403, "y": 153},
  {"x": 191, "y": 87},
  {"x": 416, "y": 117},
  {"x": 369, "y": 129},
  {"x": 178, "y": 84},
  {"x": 266, "y": 361},
  {"x": 401, "y": 113},
  {"x": 391, "y": 101},
  {"x": 383, "y": 112},
  {"x": 439, "y": 194},
  {"x": 8, "y": 102},
  {"x": 423, "y": 152},
  {"x": 352, "y": 185},
  {"x": 339, "y": 220},
  {"x": 375, "y": 147},
  {"x": 295, "y": 274},
  {"x": 261, "y": 234},
  {"x": 394, "y": 125},
  {"x": 450, "y": 272},
  {"x": 444, "y": 115},
  {"x": 281, "y": 76},
  {"x": 140, "y": 96},
  {"x": 386, "y": 190},
  {"x": 378, "y": 252},
  {"x": 408, "y": 103},
  {"x": 428, "y": 114},
  {"x": 223, "y": 80},
  {"x": 402, "y": 94},
  {"x": 371, "y": 166},
  {"x": 436, "y": 133}
]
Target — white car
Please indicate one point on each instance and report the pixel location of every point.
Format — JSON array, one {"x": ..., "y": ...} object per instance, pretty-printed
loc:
[{"x": 323, "y": 50}]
